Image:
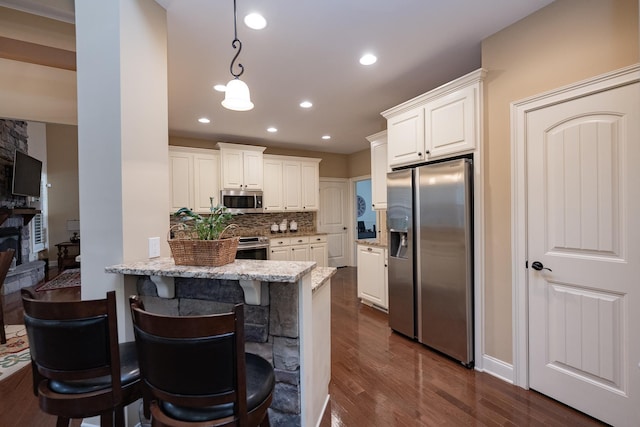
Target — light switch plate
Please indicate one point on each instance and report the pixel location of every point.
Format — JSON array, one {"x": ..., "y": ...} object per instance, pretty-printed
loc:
[{"x": 154, "y": 247}]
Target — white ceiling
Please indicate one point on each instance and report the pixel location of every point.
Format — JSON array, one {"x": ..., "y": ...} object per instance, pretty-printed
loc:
[{"x": 310, "y": 50}]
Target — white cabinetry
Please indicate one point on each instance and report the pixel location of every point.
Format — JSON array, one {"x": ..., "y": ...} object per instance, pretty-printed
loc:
[
  {"x": 241, "y": 166},
  {"x": 318, "y": 250},
  {"x": 291, "y": 184},
  {"x": 303, "y": 248},
  {"x": 372, "y": 276},
  {"x": 379, "y": 170},
  {"x": 194, "y": 177},
  {"x": 437, "y": 124}
]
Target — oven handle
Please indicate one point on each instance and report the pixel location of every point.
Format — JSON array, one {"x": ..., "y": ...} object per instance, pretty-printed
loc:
[{"x": 257, "y": 246}]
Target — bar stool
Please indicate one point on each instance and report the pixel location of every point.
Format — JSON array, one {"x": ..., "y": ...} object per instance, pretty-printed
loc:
[
  {"x": 79, "y": 369},
  {"x": 195, "y": 371}
]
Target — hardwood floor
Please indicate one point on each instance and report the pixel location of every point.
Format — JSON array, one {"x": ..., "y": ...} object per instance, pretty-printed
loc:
[{"x": 379, "y": 378}]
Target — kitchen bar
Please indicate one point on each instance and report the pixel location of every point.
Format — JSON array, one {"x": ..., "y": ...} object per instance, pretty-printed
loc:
[{"x": 288, "y": 308}]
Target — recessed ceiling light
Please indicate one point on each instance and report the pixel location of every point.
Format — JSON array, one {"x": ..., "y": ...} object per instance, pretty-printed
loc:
[
  {"x": 272, "y": 129},
  {"x": 368, "y": 59},
  {"x": 306, "y": 104},
  {"x": 255, "y": 21},
  {"x": 220, "y": 88},
  {"x": 204, "y": 120},
  {"x": 326, "y": 136}
]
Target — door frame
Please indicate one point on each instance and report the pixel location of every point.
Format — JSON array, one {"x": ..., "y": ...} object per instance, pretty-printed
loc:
[
  {"x": 520, "y": 285},
  {"x": 353, "y": 235}
]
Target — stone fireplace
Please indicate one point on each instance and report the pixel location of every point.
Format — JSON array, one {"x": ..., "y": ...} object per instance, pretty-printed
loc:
[{"x": 14, "y": 230}]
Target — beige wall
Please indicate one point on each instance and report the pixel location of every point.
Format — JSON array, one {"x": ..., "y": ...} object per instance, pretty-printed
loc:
[
  {"x": 332, "y": 165},
  {"x": 565, "y": 42},
  {"x": 35, "y": 92},
  {"x": 360, "y": 163},
  {"x": 62, "y": 174}
]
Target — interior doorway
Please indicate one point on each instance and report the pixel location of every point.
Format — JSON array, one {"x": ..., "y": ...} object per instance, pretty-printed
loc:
[{"x": 365, "y": 216}]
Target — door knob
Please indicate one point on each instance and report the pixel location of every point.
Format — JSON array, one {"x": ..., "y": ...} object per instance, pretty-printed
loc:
[{"x": 537, "y": 265}]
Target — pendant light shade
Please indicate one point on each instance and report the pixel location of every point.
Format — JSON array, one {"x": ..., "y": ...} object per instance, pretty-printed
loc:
[{"x": 237, "y": 96}]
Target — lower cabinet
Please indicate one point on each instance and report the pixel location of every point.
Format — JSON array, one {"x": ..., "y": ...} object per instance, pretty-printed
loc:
[
  {"x": 372, "y": 276},
  {"x": 303, "y": 248}
]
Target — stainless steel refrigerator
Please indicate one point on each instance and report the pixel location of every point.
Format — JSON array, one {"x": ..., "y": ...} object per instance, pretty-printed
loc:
[{"x": 429, "y": 218}]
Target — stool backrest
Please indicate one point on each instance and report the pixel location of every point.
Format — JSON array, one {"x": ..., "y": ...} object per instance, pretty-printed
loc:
[
  {"x": 73, "y": 340},
  {"x": 194, "y": 361}
]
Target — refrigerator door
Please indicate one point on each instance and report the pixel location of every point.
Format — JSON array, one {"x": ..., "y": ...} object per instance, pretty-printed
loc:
[
  {"x": 444, "y": 257},
  {"x": 400, "y": 229}
]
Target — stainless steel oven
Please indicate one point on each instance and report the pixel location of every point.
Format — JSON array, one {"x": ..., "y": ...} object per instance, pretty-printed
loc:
[{"x": 253, "y": 248}]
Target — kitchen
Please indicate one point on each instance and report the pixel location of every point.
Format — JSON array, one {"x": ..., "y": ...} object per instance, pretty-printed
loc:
[{"x": 541, "y": 69}]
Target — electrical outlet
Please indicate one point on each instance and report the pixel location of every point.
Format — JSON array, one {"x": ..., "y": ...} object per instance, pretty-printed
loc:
[{"x": 154, "y": 247}]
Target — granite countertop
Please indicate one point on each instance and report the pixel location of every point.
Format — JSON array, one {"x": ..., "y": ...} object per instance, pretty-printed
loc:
[
  {"x": 320, "y": 276},
  {"x": 240, "y": 269},
  {"x": 371, "y": 242}
]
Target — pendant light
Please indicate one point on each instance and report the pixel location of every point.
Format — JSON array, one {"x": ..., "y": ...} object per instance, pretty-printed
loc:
[{"x": 237, "y": 96}]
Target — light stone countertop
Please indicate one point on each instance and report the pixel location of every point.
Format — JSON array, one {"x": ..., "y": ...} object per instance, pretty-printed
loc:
[
  {"x": 294, "y": 234},
  {"x": 320, "y": 276},
  {"x": 240, "y": 269},
  {"x": 371, "y": 242}
]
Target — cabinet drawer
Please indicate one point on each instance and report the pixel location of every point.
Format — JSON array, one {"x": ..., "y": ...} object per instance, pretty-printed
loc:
[
  {"x": 318, "y": 239},
  {"x": 299, "y": 240},
  {"x": 285, "y": 241}
]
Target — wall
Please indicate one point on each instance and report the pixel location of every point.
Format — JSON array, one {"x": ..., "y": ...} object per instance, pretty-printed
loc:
[
  {"x": 62, "y": 174},
  {"x": 35, "y": 92},
  {"x": 360, "y": 163},
  {"x": 565, "y": 42}
]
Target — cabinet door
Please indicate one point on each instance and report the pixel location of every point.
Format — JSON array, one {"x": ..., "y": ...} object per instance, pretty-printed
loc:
[
  {"x": 180, "y": 180},
  {"x": 371, "y": 275},
  {"x": 281, "y": 253},
  {"x": 252, "y": 166},
  {"x": 273, "y": 200},
  {"x": 206, "y": 176},
  {"x": 300, "y": 253},
  {"x": 310, "y": 192},
  {"x": 291, "y": 186},
  {"x": 379, "y": 174},
  {"x": 232, "y": 169},
  {"x": 450, "y": 123},
  {"x": 406, "y": 137},
  {"x": 318, "y": 253}
]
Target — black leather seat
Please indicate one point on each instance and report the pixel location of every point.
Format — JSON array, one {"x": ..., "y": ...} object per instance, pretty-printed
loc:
[
  {"x": 79, "y": 368},
  {"x": 194, "y": 370}
]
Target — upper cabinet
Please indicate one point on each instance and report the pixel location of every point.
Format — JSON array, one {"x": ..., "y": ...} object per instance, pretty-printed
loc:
[
  {"x": 440, "y": 123},
  {"x": 242, "y": 167},
  {"x": 379, "y": 169},
  {"x": 194, "y": 177},
  {"x": 290, "y": 184}
]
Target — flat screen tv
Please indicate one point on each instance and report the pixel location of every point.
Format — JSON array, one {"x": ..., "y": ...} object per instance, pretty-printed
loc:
[{"x": 26, "y": 175}]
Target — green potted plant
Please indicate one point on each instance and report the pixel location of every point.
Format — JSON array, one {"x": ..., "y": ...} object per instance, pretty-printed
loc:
[{"x": 198, "y": 240}]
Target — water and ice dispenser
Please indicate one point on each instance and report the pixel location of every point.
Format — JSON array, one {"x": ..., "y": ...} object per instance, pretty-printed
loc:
[{"x": 398, "y": 244}]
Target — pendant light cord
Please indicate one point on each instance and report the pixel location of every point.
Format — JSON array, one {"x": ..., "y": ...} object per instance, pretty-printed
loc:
[{"x": 236, "y": 43}]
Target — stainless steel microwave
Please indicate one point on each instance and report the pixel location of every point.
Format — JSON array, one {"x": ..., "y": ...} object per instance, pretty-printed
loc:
[{"x": 242, "y": 201}]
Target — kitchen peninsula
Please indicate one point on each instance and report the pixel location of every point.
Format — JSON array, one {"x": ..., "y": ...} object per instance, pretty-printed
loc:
[{"x": 287, "y": 319}]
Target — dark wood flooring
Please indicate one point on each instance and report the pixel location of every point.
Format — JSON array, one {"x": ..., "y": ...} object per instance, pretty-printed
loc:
[{"x": 379, "y": 378}]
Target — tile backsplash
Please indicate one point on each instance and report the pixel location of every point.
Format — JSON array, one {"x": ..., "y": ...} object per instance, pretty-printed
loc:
[{"x": 260, "y": 224}]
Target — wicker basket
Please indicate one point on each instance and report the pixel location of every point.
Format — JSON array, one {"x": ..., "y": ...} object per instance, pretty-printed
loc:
[{"x": 203, "y": 253}]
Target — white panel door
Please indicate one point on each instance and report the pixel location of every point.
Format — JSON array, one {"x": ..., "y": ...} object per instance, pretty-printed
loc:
[
  {"x": 180, "y": 180},
  {"x": 583, "y": 211},
  {"x": 206, "y": 177},
  {"x": 333, "y": 220}
]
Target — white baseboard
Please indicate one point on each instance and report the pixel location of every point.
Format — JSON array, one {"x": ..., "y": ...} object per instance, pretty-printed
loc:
[
  {"x": 498, "y": 368},
  {"x": 324, "y": 408}
]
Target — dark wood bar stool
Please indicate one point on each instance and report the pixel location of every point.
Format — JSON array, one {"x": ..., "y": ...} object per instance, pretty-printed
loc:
[
  {"x": 79, "y": 369},
  {"x": 195, "y": 371}
]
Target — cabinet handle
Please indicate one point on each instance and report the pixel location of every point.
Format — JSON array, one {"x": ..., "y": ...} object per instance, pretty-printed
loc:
[
  {"x": 428, "y": 152},
  {"x": 419, "y": 154},
  {"x": 369, "y": 249}
]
